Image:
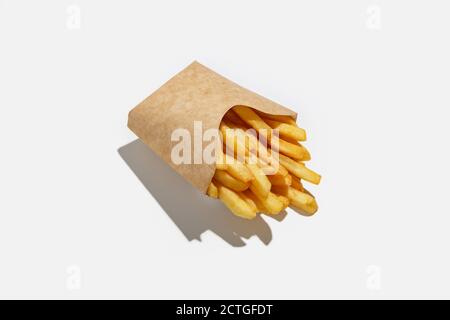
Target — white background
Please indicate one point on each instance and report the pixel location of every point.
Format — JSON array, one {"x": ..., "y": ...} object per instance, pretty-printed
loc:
[{"x": 369, "y": 79}]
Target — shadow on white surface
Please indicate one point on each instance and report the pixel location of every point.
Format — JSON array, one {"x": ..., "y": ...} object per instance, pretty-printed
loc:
[{"x": 193, "y": 212}]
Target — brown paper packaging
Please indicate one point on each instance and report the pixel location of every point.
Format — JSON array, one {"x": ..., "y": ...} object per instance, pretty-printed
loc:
[{"x": 195, "y": 94}]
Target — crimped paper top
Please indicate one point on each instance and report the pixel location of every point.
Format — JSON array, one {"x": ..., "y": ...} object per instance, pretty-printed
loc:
[{"x": 195, "y": 94}]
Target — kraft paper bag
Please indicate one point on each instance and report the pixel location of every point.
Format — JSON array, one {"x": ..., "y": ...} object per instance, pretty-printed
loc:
[{"x": 195, "y": 94}]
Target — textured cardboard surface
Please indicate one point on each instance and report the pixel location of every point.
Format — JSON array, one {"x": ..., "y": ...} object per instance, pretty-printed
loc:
[{"x": 195, "y": 94}]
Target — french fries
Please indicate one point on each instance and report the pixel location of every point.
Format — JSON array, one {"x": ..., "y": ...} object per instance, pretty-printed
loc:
[
  {"x": 253, "y": 120},
  {"x": 298, "y": 199},
  {"x": 237, "y": 169},
  {"x": 294, "y": 151},
  {"x": 258, "y": 173},
  {"x": 287, "y": 130},
  {"x": 235, "y": 203},
  {"x": 300, "y": 171},
  {"x": 306, "y": 154}
]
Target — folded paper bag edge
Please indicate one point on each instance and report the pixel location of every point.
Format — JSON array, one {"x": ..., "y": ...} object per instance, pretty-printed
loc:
[{"x": 194, "y": 94}]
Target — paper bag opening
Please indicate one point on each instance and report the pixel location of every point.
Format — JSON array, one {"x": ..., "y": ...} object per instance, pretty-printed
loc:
[{"x": 195, "y": 95}]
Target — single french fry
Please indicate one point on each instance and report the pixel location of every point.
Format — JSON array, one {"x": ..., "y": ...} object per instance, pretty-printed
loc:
[
  {"x": 287, "y": 130},
  {"x": 261, "y": 184},
  {"x": 294, "y": 151},
  {"x": 285, "y": 119},
  {"x": 311, "y": 208},
  {"x": 237, "y": 169},
  {"x": 253, "y": 120},
  {"x": 235, "y": 203},
  {"x": 271, "y": 203},
  {"x": 229, "y": 181},
  {"x": 280, "y": 180},
  {"x": 212, "y": 190},
  {"x": 306, "y": 153},
  {"x": 299, "y": 171},
  {"x": 297, "y": 198}
]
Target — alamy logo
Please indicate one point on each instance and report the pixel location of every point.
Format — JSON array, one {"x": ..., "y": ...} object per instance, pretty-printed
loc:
[
  {"x": 373, "y": 281},
  {"x": 73, "y": 280},
  {"x": 73, "y": 21},
  {"x": 373, "y": 19},
  {"x": 198, "y": 146}
]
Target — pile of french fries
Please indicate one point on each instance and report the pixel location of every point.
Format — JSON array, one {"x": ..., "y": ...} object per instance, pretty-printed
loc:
[{"x": 260, "y": 167}]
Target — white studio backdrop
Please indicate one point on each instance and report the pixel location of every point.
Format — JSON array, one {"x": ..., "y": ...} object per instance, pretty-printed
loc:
[{"x": 88, "y": 212}]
